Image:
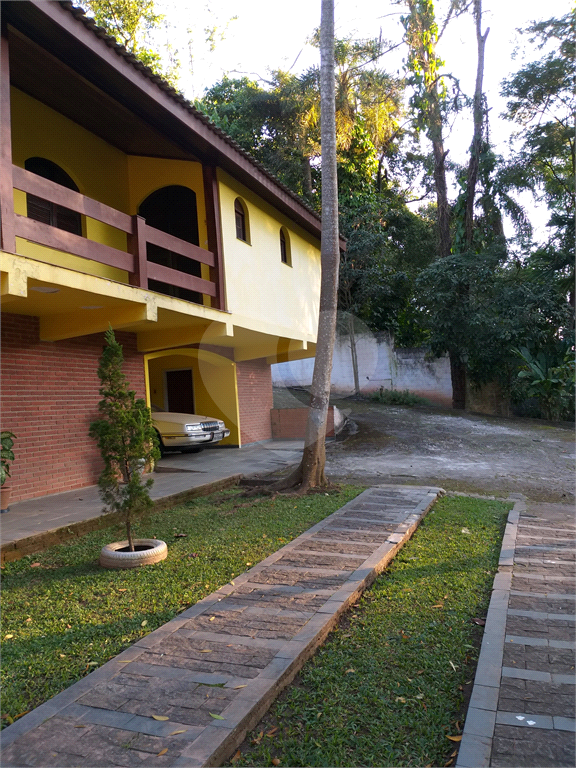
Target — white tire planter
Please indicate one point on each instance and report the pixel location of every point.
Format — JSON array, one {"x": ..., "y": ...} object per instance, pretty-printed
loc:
[{"x": 152, "y": 551}]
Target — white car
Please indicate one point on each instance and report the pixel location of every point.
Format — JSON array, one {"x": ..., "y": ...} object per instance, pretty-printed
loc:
[{"x": 187, "y": 432}]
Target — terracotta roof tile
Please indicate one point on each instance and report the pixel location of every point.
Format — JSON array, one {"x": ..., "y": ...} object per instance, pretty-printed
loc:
[{"x": 111, "y": 42}]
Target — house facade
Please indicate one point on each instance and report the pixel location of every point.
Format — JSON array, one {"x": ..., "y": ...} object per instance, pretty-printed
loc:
[{"x": 121, "y": 205}]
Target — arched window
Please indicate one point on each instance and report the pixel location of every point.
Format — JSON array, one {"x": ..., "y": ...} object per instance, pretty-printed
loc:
[
  {"x": 285, "y": 255},
  {"x": 241, "y": 220},
  {"x": 173, "y": 210},
  {"x": 45, "y": 211}
]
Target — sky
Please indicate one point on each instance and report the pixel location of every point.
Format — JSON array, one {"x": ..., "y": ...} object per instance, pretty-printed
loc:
[{"x": 253, "y": 38}]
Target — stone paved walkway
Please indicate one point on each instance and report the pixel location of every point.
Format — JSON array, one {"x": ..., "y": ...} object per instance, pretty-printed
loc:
[
  {"x": 522, "y": 707},
  {"x": 212, "y": 672}
]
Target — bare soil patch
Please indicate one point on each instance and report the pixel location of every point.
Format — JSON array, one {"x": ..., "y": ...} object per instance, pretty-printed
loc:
[{"x": 455, "y": 450}]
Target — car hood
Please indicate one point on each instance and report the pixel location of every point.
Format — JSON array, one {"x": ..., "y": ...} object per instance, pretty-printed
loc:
[{"x": 181, "y": 418}]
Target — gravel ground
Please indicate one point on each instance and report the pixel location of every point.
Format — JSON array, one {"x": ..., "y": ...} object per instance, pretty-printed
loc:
[{"x": 452, "y": 449}]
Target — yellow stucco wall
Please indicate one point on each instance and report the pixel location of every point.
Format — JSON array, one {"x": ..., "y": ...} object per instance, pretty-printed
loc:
[
  {"x": 147, "y": 174},
  {"x": 101, "y": 172},
  {"x": 258, "y": 285},
  {"x": 98, "y": 170},
  {"x": 214, "y": 382}
]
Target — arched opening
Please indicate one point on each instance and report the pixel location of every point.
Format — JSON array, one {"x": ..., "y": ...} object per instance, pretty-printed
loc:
[
  {"x": 241, "y": 218},
  {"x": 173, "y": 210},
  {"x": 43, "y": 210},
  {"x": 285, "y": 252}
]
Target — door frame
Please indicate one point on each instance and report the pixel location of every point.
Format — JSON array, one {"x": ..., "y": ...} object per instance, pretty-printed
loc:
[{"x": 165, "y": 378}]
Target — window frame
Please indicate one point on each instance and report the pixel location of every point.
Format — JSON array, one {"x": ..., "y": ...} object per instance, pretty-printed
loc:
[
  {"x": 285, "y": 248},
  {"x": 241, "y": 221}
]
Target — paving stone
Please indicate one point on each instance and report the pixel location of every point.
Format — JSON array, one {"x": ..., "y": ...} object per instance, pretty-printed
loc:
[
  {"x": 241, "y": 635},
  {"x": 518, "y": 747},
  {"x": 324, "y": 560},
  {"x": 317, "y": 544}
]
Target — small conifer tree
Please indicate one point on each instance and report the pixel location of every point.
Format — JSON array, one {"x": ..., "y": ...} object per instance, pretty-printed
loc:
[{"x": 126, "y": 439}]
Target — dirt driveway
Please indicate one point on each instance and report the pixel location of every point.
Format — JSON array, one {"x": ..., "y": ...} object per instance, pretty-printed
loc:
[{"x": 457, "y": 451}]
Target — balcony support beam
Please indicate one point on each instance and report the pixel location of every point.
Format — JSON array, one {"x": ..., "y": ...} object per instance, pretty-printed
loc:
[
  {"x": 212, "y": 202},
  {"x": 7, "y": 237}
]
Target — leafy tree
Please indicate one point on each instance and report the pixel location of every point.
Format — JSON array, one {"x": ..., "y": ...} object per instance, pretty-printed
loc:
[
  {"x": 133, "y": 23},
  {"x": 126, "y": 439},
  {"x": 542, "y": 102}
]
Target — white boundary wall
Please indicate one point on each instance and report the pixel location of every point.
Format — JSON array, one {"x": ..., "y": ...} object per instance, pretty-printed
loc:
[{"x": 379, "y": 365}]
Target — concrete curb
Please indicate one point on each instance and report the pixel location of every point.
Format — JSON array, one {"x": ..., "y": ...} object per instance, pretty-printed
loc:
[
  {"x": 476, "y": 744},
  {"x": 14, "y": 550}
]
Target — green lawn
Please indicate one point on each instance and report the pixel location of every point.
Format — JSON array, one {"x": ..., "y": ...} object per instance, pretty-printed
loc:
[
  {"x": 63, "y": 615},
  {"x": 388, "y": 687}
]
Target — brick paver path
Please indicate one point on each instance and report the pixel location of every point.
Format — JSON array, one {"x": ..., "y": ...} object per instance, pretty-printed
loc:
[
  {"x": 522, "y": 707},
  {"x": 213, "y": 671}
]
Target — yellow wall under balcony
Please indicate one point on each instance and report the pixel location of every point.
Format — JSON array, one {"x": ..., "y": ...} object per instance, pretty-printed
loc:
[
  {"x": 214, "y": 383},
  {"x": 259, "y": 287}
]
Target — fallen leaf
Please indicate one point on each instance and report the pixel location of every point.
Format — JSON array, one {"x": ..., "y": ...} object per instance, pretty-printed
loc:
[
  {"x": 62, "y": 655},
  {"x": 440, "y": 605},
  {"x": 180, "y": 535},
  {"x": 216, "y": 717},
  {"x": 205, "y": 650},
  {"x": 275, "y": 761},
  {"x": 480, "y": 622},
  {"x": 420, "y": 696},
  {"x": 122, "y": 590},
  {"x": 8, "y": 637},
  {"x": 272, "y": 731},
  {"x": 236, "y": 757},
  {"x": 21, "y": 714},
  {"x": 211, "y": 618},
  {"x": 233, "y": 585},
  {"x": 454, "y": 753},
  {"x": 162, "y": 752},
  {"x": 34, "y": 565},
  {"x": 465, "y": 530},
  {"x": 240, "y": 686},
  {"x": 28, "y": 620},
  {"x": 92, "y": 663},
  {"x": 248, "y": 563},
  {"x": 182, "y": 730},
  {"x": 144, "y": 623},
  {"x": 400, "y": 699},
  {"x": 454, "y": 738},
  {"x": 448, "y": 763},
  {"x": 159, "y": 717},
  {"x": 348, "y": 671}
]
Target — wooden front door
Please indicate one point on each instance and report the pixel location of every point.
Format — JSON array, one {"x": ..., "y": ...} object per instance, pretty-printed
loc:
[{"x": 180, "y": 391}]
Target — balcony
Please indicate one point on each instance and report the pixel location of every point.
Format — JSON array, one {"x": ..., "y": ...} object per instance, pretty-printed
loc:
[{"x": 141, "y": 240}]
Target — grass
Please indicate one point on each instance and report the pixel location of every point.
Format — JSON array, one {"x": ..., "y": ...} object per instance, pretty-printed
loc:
[
  {"x": 389, "y": 686},
  {"x": 397, "y": 397},
  {"x": 64, "y": 616}
]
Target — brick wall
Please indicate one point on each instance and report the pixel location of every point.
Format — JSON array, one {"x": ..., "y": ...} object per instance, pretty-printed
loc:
[
  {"x": 254, "y": 381},
  {"x": 49, "y": 397},
  {"x": 290, "y": 423}
]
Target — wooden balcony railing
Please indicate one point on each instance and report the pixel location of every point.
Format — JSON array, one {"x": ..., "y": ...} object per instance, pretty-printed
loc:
[{"x": 134, "y": 261}]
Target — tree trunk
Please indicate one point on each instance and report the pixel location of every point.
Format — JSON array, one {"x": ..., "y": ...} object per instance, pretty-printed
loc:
[
  {"x": 458, "y": 378},
  {"x": 476, "y": 147},
  {"x": 307, "y": 177},
  {"x": 353, "y": 353},
  {"x": 314, "y": 456}
]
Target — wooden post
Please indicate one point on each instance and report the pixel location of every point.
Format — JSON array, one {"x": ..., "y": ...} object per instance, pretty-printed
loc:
[
  {"x": 212, "y": 202},
  {"x": 7, "y": 238},
  {"x": 137, "y": 247}
]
